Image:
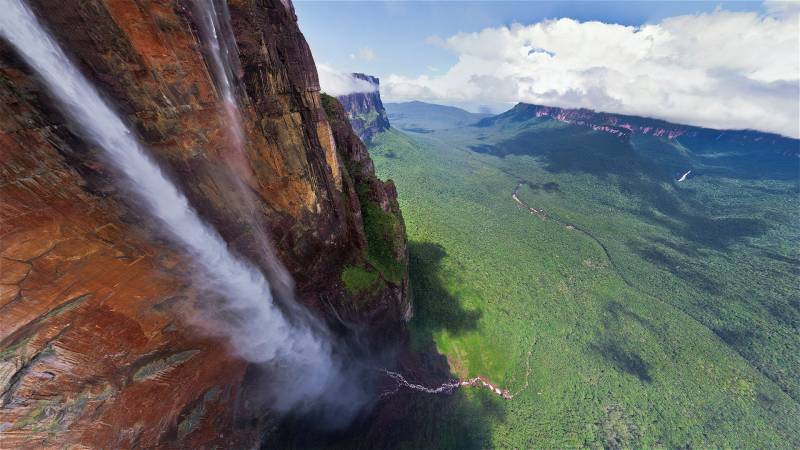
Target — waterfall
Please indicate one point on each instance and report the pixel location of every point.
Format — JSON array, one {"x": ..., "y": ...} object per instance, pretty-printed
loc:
[
  {"x": 218, "y": 38},
  {"x": 257, "y": 329},
  {"x": 221, "y": 53}
]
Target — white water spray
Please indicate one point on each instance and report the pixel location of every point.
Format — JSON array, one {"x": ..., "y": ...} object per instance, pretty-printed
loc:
[
  {"x": 216, "y": 32},
  {"x": 259, "y": 332}
]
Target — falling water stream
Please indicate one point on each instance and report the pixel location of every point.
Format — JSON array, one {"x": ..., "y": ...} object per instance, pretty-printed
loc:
[
  {"x": 213, "y": 22},
  {"x": 218, "y": 37},
  {"x": 259, "y": 332},
  {"x": 256, "y": 328}
]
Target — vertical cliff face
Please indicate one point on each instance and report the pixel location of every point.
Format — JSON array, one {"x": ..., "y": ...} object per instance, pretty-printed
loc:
[
  {"x": 365, "y": 109},
  {"x": 383, "y": 264},
  {"x": 93, "y": 346}
]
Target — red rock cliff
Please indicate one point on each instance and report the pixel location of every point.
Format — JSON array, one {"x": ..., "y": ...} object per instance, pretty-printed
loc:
[{"x": 92, "y": 350}]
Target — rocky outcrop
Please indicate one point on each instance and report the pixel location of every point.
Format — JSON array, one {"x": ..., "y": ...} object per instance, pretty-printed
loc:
[
  {"x": 383, "y": 265},
  {"x": 93, "y": 348},
  {"x": 625, "y": 126},
  {"x": 365, "y": 109}
]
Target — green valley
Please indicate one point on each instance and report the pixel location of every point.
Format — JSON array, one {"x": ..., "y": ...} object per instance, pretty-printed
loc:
[{"x": 627, "y": 310}]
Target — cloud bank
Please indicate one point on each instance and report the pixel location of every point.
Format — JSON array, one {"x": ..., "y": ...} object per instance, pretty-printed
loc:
[
  {"x": 336, "y": 83},
  {"x": 720, "y": 70}
]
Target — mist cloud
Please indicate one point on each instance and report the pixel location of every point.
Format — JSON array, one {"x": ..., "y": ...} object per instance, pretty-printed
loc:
[
  {"x": 721, "y": 69},
  {"x": 338, "y": 83}
]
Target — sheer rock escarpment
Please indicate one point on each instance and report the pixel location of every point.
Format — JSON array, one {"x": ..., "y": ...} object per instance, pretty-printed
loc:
[
  {"x": 365, "y": 110},
  {"x": 626, "y": 126},
  {"x": 94, "y": 348}
]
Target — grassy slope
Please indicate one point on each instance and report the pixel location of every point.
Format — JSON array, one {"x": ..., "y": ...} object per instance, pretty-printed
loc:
[{"x": 611, "y": 364}]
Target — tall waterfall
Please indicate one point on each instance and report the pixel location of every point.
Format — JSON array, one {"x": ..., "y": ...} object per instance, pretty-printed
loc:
[
  {"x": 260, "y": 332},
  {"x": 213, "y": 21},
  {"x": 218, "y": 37}
]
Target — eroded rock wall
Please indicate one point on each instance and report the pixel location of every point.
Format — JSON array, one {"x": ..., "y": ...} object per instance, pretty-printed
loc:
[
  {"x": 93, "y": 348},
  {"x": 365, "y": 110}
]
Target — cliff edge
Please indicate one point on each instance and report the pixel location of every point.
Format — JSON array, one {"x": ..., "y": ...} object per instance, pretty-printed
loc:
[{"x": 94, "y": 350}]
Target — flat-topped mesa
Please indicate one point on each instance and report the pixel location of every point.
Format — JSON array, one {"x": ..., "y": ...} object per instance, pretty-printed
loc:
[
  {"x": 625, "y": 126},
  {"x": 365, "y": 110}
]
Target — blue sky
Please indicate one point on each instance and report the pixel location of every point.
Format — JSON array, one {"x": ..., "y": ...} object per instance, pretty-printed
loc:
[
  {"x": 398, "y": 32},
  {"x": 714, "y": 64}
]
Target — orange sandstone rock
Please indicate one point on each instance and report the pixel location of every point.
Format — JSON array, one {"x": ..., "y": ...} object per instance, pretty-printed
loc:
[{"x": 94, "y": 350}]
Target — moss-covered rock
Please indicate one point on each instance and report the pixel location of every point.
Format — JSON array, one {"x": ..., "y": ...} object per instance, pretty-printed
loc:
[
  {"x": 358, "y": 280},
  {"x": 380, "y": 273}
]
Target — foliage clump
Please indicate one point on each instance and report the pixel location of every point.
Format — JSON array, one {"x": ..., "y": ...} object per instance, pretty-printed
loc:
[
  {"x": 357, "y": 279},
  {"x": 368, "y": 117},
  {"x": 383, "y": 232},
  {"x": 383, "y": 260},
  {"x": 327, "y": 104}
]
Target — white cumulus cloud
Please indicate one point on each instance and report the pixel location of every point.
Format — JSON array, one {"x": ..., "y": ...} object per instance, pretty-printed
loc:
[
  {"x": 336, "y": 83},
  {"x": 721, "y": 69}
]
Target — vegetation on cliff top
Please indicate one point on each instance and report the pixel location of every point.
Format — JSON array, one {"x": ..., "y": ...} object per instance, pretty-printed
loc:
[
  {"x": 382, "y": 261},
  {"x": 385, "y": 238}
]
